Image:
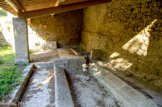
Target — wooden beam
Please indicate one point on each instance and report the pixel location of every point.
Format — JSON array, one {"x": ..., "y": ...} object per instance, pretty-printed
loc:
[
  {"x": 47, "y": 4},
  {"x": 13, "y": 5},
  {"x": 62, "y": 8},
  {"x": 73, "y": 1},
  {"x": 19, "y": 5},
  {"x": 59, "y": 2}
]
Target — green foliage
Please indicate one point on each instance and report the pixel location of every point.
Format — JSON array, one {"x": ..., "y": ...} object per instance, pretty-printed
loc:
[
  {"x": 8, "y": 28},
  {"x": 7, "y": 55},
  {"x": 3, "y": 13},
  {"x": 31, "y": 51},
  {"x": 9, "y": 78},
  {"x": 9, "y": 74},
  {"x": 24, "y": 64},
  {"x": 1, "y": 61}
]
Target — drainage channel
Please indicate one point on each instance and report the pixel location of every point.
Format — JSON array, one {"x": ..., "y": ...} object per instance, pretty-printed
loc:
[{"x": 40, "y": 89}]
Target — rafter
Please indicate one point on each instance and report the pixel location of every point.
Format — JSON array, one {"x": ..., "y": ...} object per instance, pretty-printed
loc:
[
  {"x": 48, "y": 4},
  {"x": 14, "y": 6},
  {"x": 19, "y": 4},
  {"x": 62, "y": 8}
]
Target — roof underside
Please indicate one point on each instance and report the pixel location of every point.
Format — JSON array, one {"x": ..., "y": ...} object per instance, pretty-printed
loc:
[{"x": 36, "y": 8}]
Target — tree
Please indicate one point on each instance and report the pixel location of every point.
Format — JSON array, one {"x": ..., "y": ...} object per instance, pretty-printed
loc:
[{"x": 3, "y": 13}]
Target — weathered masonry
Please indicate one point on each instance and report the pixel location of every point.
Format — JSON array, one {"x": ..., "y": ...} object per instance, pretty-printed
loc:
[
  {"x": 127, "y": 34},
  {"x": 25, "y": 9}
]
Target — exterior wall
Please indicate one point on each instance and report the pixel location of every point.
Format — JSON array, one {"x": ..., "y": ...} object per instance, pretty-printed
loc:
[
  {"x": 64, "y": 28},
  {"x": 129, "y": 33}
]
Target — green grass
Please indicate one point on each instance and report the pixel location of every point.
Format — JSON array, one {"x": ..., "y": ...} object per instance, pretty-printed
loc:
[
  {"x": 9, "y": 78},
  {"x": 7, "y": 56},
  {"x": 10, "y": 75}
]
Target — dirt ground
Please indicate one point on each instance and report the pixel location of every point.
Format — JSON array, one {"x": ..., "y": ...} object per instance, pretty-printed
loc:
[{"x": 44, "y": 56}]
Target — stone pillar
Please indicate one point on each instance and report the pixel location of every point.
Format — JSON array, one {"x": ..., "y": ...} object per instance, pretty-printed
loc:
[{"x": 21, "y": 40}]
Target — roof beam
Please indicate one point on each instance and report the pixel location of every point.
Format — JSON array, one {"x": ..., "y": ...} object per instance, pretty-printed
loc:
[
  {"x": 59, "y": 9},
  {"x": 13, "y": 5},
  {"x": 48, "y": 4},
  {"x": 19, "y": 4}
]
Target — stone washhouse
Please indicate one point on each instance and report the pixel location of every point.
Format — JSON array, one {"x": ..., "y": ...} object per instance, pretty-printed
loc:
[{"x": 116, "y": 42}]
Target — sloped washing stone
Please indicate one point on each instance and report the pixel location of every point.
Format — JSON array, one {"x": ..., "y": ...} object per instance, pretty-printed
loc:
[
  {"x": 63, "y": 96},
  {"x": 120, "y": 89},
  {"x": 147, "y": 103}
]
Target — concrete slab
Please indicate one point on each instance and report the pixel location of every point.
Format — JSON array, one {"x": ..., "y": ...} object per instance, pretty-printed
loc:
[
  {"x": 62, "y": 92},
  {"x": 120, "y": 89}
]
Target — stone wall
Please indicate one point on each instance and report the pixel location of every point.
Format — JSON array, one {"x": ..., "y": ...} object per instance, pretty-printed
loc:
[
  {"x": 64, "y": 28},
  {"x": 129, "y": 33}
]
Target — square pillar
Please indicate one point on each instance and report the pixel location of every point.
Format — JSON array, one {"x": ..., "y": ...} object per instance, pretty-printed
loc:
[{"x": 21, "y": 40}]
